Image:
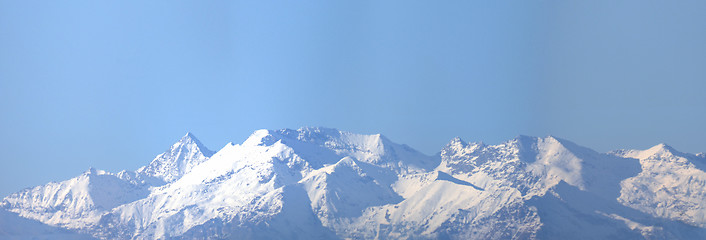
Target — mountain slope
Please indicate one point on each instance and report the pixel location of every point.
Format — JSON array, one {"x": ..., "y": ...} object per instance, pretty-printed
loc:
[
  {"x": 233, "y": 181},
  {"x": 75, "y": 203},
  {"x": 322, "y": 183},
  {"x": 671, "y": 184},
  {"x": 79, "y": 203}
]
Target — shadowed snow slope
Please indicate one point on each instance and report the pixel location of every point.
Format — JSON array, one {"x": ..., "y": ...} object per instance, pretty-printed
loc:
[
  {"x": 671, "y": 184},
  {"x": 322, "y": 183},
  {"x": 18, "y": 228}
]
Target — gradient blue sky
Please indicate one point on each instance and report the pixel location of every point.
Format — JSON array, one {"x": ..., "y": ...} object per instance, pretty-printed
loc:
[{"x": 111, "y": 84}]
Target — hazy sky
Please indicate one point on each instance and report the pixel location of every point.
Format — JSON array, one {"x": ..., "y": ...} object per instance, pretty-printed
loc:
[{"x": 111, "y": 84}]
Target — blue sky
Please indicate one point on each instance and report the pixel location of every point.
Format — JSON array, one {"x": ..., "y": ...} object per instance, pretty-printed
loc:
[{"x": 111, "y": 84}]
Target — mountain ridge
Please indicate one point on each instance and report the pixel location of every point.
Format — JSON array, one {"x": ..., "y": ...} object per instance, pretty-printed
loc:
[{"x": 326, "y": 183}]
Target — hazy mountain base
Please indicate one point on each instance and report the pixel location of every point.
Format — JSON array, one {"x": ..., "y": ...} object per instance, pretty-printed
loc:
[{"x": 14, "y": 227}]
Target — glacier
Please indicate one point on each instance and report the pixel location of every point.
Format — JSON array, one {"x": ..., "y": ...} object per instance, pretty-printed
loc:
[{"x": 323, "y": 183}]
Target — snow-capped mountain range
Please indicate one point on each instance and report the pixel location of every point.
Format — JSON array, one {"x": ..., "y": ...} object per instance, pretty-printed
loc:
[{"x": 321, "y": 183}]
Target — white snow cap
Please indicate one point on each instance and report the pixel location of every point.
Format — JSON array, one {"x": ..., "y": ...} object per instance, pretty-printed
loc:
[
  {"x": 324, "y": 183},
  {"x": 179, "y": 159}
]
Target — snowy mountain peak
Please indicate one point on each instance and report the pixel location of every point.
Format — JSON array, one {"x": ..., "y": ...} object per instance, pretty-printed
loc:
[
  {"x": 179, "y": 159},
  {"x": 189, "y": 139},
  {"x": 662, "y": 149},
  {"x": 665, "y": 147},
  {"x": 671, "y": 184},
  {"x": 457, "y": 144},
  {"x": 659, "y": 150},
  {"x": 320, "y": 135},
  {"x": 457, "y": 140},
  {"x": 77, "y": 202},
  {"x": 318, "y": 130},
  {"x": 322, "y": 146},
  {"x": 527, "y": 147},
  {"x": 527, "y": 144},
  {"x": 257, "y": 137},
  {"x": 524, "y": 139},
  {"x": 324, "y": 183},
  {"x": 189, "y": 135},
  {"x": 93, "y": 171}
]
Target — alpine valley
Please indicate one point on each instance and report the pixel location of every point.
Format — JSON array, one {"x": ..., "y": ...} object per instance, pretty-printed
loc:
[{"x": 321, "y": 183}]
